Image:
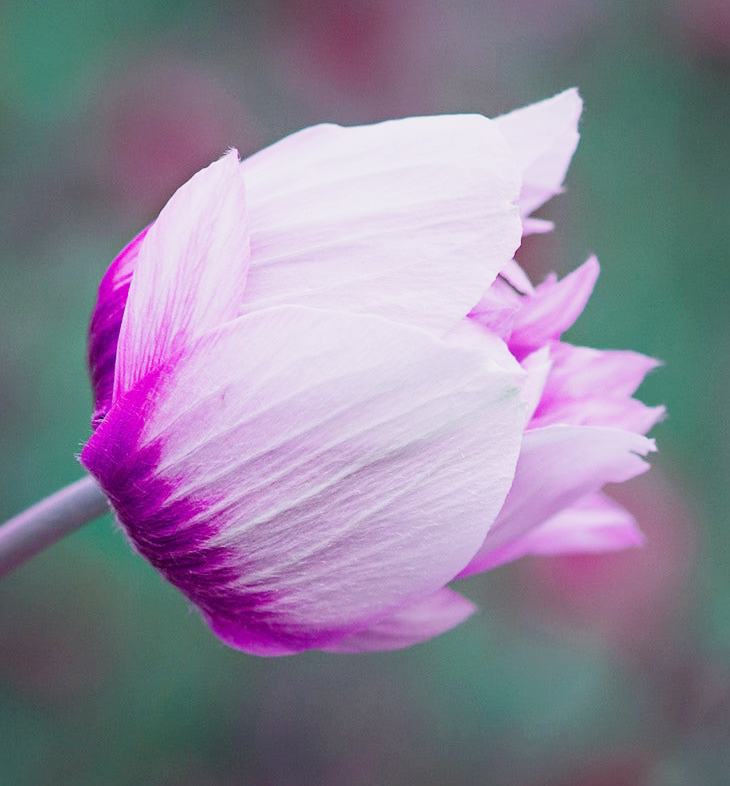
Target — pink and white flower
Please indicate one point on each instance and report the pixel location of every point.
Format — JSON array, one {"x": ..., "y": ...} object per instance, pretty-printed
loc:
[{"x": 324, "y": 389}]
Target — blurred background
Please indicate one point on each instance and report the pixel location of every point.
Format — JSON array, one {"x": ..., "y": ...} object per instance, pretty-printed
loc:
[{"x": 610, "y": 670}]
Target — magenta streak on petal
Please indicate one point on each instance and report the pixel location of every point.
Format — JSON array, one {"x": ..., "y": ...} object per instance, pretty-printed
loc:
[
  {"x": 106, "y": 320},
  {"x": 160, "y": 531}
]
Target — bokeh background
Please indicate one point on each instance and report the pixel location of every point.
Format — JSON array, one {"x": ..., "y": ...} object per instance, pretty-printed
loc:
[{"x": 609, "y": 670}]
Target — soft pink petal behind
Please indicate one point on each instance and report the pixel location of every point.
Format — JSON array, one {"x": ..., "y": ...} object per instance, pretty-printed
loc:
[
  {"x": 543, "y": 137},
  {"x": 516, "y": 276},
  {"x": 553, "y": 308},
  {"x": 408, "y": 219},
  {"x": 594, "y": 387},
  {"x": 582, "y": 371},
  {"x": 417, "y": 622},
  {"x": 190, "y": 272},
  {"x": 559, "y": 465},
  {"x": 600, "y": 410},
  {"x": 104, "y": 325},
  {"x": 594, "y": 523},
  {"x": 359, "y": 471}
]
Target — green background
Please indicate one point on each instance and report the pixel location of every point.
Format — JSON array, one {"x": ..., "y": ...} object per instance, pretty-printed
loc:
[{"x": 603, "y": 670}]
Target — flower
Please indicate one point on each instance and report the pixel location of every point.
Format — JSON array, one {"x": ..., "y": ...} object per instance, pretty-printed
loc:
[{"x": 324, "y": 388}]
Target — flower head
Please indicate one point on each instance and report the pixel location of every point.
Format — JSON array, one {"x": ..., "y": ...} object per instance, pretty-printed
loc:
[{"x": 324, "y": 388}]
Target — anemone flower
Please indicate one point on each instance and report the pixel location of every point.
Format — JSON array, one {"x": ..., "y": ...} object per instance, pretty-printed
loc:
[{"x": 324, "y": 389}]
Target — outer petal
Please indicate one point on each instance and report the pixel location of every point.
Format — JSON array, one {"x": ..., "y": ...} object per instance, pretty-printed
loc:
[
  {"x": 544, "y": 137},
  {"x": 558, "y": 466},
  {"x": 296, "y": 502},
  {"x": 418, "y": 622},
  {"x": 552, "y": 309},
  {"x": 190, "y": 274},
  {"x": 594, "y": 523},
  {"x": 106, "y": 321},
  {"x": 408, "y": 219}
]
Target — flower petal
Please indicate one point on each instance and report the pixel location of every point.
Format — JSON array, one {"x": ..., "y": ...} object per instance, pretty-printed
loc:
[
  {"x": 190, "y": 273},
  {"x": 552, "y": 309},
  {"x": 106, "y": 320},
  {"x": 582, "y": 371},
  {"x": 296, "y": 502},
  {"x": 536, "y": 226},
  {"x": 413, "y": 624},
  {"x": 537, "y": 366},
  {"x": 559, "y": 465},
  {"x": 623, "y": 413},
  {"x": 594, "y": 387},
  {"x": 496, "y": 309},
  {"x": 513, "y": 273},
  {"x": 409, "y": 219},
  {"x": 544, "y": 137},
  {"x": 594, "y": 523}
]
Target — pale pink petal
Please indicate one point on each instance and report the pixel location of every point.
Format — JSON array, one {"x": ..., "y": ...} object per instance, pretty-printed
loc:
[
  {"x": 536, "y": 226},
  {"x": 544, "y": 137},
  {"x": 496, "y": 309},
  {"x": 581, "y": 371},
  {"x": 594, "y": 523},
  {"x": 559, "y": 465},
  {"x": 553, "y": 308},
  {"x": 413, "y": 624},
  {"x": 513, "y": 273},
  {"x": 597, "y": 410},
  {"x": 300, "y": 473},
  {"x": 594, "y": 387},
  {"x": 106, "y": 320},
  {"x": 537, "y": 366},
  {"x": 190, "y": 273},
  {"x": 408, "y": 219}
]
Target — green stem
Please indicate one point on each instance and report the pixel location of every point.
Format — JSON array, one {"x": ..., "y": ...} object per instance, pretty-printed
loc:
[{"x": 33, "y": 530}]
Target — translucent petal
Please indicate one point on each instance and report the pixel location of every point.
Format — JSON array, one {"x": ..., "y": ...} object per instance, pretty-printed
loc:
[
  {"x": 413, "y": 624},
  {"x": 559, "y": 465},
  {"x": 552, "y": 309},
  {"x": 544, "y": 137},
  {"x": 594, "y": 387},
  {"x": 594, "y": 523},
  {"x": 409, "y": 219},
  {"x": 190, "y": 272}
]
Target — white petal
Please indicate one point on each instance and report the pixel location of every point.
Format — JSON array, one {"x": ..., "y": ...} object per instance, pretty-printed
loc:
[
  {"x": 413, "y": 624},
  {"x": 190, "y": 272},
  {"x": 408, "y": 219},
  {"x": 544, "y": 137}
]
